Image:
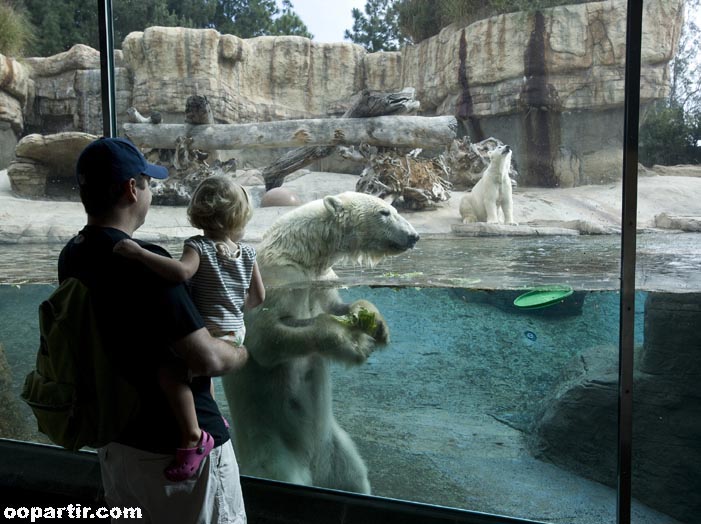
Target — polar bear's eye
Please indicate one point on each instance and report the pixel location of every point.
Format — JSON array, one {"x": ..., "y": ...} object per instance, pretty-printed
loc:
[{"x": 384, "y": 212}]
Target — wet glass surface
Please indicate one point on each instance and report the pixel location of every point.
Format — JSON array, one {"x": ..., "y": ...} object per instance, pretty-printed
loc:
[
  {"x": 451, "y": 401},
  {"x": 665, "y": 262}
]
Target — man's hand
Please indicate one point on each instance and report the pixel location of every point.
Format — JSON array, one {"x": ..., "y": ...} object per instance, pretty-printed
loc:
[{"x": 208, "y": 356}]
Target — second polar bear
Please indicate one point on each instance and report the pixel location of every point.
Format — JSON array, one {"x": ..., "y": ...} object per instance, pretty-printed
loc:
[
  {"x": 492, "y": 193},
  {"x": 281, "y": 402}
]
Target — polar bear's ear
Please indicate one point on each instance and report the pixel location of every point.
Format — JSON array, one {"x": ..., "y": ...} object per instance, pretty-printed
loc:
[{"x": 333, "y": 204}]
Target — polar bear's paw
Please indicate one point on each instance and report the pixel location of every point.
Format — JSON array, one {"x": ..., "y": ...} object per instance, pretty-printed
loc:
[
  {"x": 345, "y": 342},
  {"x": 376, "y": 326}
]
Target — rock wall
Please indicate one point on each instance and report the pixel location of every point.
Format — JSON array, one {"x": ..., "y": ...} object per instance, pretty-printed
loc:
[
  {"x": 67, "y": 91},
  {"x": 15, "y": 89},
  {"x": 578, "y": 426},
  {"x": 550, "y": 83}
]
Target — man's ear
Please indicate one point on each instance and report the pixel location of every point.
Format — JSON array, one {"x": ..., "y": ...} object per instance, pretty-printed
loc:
[{"x": 130, "y": 190}]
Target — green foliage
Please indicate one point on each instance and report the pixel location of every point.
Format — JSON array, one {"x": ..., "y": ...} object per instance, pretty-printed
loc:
[
  {"x": 686, "y": 67},
  {"x": 670, "y": 133},
  {"x": 250, "y": 18},
  {"x": 378, "y": 28},
  {"x": 244, "y": 18},
  {"x": 61, "y": 24},
  {"x": 670, "y": 137},
  {"x": 289, "y": 22},
  {"x": 16, "y": 30},
  {"x": 420, "y": 20},
  {"x": 136, "y": 15}
]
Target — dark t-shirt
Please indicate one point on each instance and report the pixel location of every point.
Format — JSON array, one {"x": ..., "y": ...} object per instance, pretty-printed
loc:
[{"x": 140, "y": 315}]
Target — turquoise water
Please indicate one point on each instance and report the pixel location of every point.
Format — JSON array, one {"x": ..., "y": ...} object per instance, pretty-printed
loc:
[
  {"x": 462, "y": 361},
  {"x": 668, "y": 262},
  {"x": 499, "y": 343},
  {"x": 443, "y": 415}
]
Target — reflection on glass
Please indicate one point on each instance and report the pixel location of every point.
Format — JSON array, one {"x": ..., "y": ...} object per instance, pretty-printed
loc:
[{"x": 475, "y": 403}]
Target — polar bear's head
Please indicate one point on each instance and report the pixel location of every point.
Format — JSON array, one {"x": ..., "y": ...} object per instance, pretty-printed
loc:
[
  {"x": 501, "y": 155},
  {"x": 350, "y": 226}
]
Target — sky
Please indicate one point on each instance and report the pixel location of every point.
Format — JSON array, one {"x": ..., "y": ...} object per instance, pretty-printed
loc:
[{"x": 327, "y": 19}]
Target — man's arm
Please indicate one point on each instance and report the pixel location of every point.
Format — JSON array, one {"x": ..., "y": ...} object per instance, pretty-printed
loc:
[{"x": 207, "y": 356}]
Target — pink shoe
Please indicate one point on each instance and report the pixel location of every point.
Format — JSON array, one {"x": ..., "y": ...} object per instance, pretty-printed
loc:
[{"x": 187, "y": 460}]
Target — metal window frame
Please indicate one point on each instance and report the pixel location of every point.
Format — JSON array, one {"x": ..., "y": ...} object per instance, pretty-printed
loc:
[
  {"x": 107, "y": 68},
  {"x": 634, "y": 17}
]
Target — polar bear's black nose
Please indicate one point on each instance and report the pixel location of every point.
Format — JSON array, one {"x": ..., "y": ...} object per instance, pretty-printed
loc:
[
  {"x": 413, "y": 239},
  {"x": 507, "y": 149}
]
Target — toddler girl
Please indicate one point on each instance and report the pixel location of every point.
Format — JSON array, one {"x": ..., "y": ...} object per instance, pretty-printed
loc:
[{"x": 224, "y": 280}]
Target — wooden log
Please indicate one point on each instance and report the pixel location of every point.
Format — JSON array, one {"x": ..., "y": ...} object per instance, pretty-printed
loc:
[
  {"x": 386, "y": 131},
  {"x": 365, "y": 104}
]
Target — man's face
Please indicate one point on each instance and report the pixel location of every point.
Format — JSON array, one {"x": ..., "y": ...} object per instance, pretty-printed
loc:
[{"x": 143, "y": 202}]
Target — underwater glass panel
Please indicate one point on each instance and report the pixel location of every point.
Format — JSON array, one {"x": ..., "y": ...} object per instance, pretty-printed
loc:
[
  {"x": 50, "y": 108},
  {"x": 666, "y": 448}
]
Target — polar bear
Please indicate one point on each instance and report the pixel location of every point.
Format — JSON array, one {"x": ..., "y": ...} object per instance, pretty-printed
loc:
[
  {"x": 492, "y": 192},
  {"x": 280, "y": 402}
]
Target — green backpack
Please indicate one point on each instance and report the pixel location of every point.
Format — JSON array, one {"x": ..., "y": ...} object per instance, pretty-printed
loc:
[{"x": 77, "y": 397}]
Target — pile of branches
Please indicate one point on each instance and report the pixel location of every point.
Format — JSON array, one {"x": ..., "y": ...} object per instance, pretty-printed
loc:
[{"x": 407, "y": 182}]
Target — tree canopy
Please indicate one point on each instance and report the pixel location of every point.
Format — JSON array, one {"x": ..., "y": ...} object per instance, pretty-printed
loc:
[
  {"x": 377, "y": 28},
  {"x": 16, "y": 30},
  {"x": 671, "y": 131},
  {"x": 61, "y": 24}
]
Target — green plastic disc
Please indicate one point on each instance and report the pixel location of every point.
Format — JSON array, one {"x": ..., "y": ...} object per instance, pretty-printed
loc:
[{"x": 543, "y": 297}]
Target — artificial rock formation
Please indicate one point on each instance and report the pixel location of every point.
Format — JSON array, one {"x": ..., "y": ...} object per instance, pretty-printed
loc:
[
  {"x": 14, "y": 92},
  {"x": 578, "y": 426},
  {"x": 67, "y": 91},
  {"x": 45, "y": 164},
  {"x": 549, "y": 83}
]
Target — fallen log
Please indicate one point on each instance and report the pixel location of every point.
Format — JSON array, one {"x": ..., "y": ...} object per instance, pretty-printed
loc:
[
  {"x": 366, "y": 104},
  {"x": 386, "y": 131}
]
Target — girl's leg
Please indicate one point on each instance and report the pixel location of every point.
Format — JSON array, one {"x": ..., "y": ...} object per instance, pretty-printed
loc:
[{"x": 182, "y": 403}]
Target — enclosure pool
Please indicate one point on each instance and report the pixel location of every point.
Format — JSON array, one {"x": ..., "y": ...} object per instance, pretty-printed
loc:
[{"x": 449, "y": 413}]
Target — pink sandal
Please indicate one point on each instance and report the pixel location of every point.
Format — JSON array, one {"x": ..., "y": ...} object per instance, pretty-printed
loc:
[{"x": 187, "y": 460}]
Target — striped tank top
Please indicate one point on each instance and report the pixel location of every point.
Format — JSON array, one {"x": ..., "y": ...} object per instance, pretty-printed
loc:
[{"x": 219, "y": 286}]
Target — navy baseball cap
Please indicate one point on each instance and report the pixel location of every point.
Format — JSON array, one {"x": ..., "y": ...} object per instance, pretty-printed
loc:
[{"x": 114, "y": 160}]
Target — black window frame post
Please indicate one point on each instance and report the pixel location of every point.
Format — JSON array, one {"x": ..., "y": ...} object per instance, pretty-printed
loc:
[
  {"x": 634, "y": 22},
  {"x": 107, "y": 69}
]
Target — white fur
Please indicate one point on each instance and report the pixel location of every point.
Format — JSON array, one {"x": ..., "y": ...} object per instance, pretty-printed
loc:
[
  {"x": 280, "y": 401},
  {"x": 492, "y": 192}
]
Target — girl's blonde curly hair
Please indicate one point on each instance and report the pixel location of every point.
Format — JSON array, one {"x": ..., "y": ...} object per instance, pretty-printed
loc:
[{"x": 219, "y": 204}]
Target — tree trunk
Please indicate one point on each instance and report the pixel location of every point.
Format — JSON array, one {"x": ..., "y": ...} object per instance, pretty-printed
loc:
[
  {"x": 389, "y": 131},
  {"x": 367, "y": 105}
]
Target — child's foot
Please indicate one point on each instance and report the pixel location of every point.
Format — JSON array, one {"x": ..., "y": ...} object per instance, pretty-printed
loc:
[{"x": 187, "y": 460}]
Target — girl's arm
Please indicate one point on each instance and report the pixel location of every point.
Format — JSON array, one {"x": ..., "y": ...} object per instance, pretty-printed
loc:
[
  {"x": 256, "y": 292},
  {"x": 170, "y": 269}
]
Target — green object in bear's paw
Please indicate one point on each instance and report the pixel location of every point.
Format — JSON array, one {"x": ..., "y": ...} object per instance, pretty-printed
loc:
[{"x": 362, "y": 319}]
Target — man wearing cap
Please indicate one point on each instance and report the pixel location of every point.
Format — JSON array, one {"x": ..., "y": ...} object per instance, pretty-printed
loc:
[{"x": 143, "y": 320}]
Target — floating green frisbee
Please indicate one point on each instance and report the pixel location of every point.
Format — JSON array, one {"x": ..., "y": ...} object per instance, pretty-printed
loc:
[{"x": 543, "y": 297}]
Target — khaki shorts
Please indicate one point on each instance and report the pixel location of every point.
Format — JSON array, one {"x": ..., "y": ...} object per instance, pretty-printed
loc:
[{"x": 134, "y": 478}]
